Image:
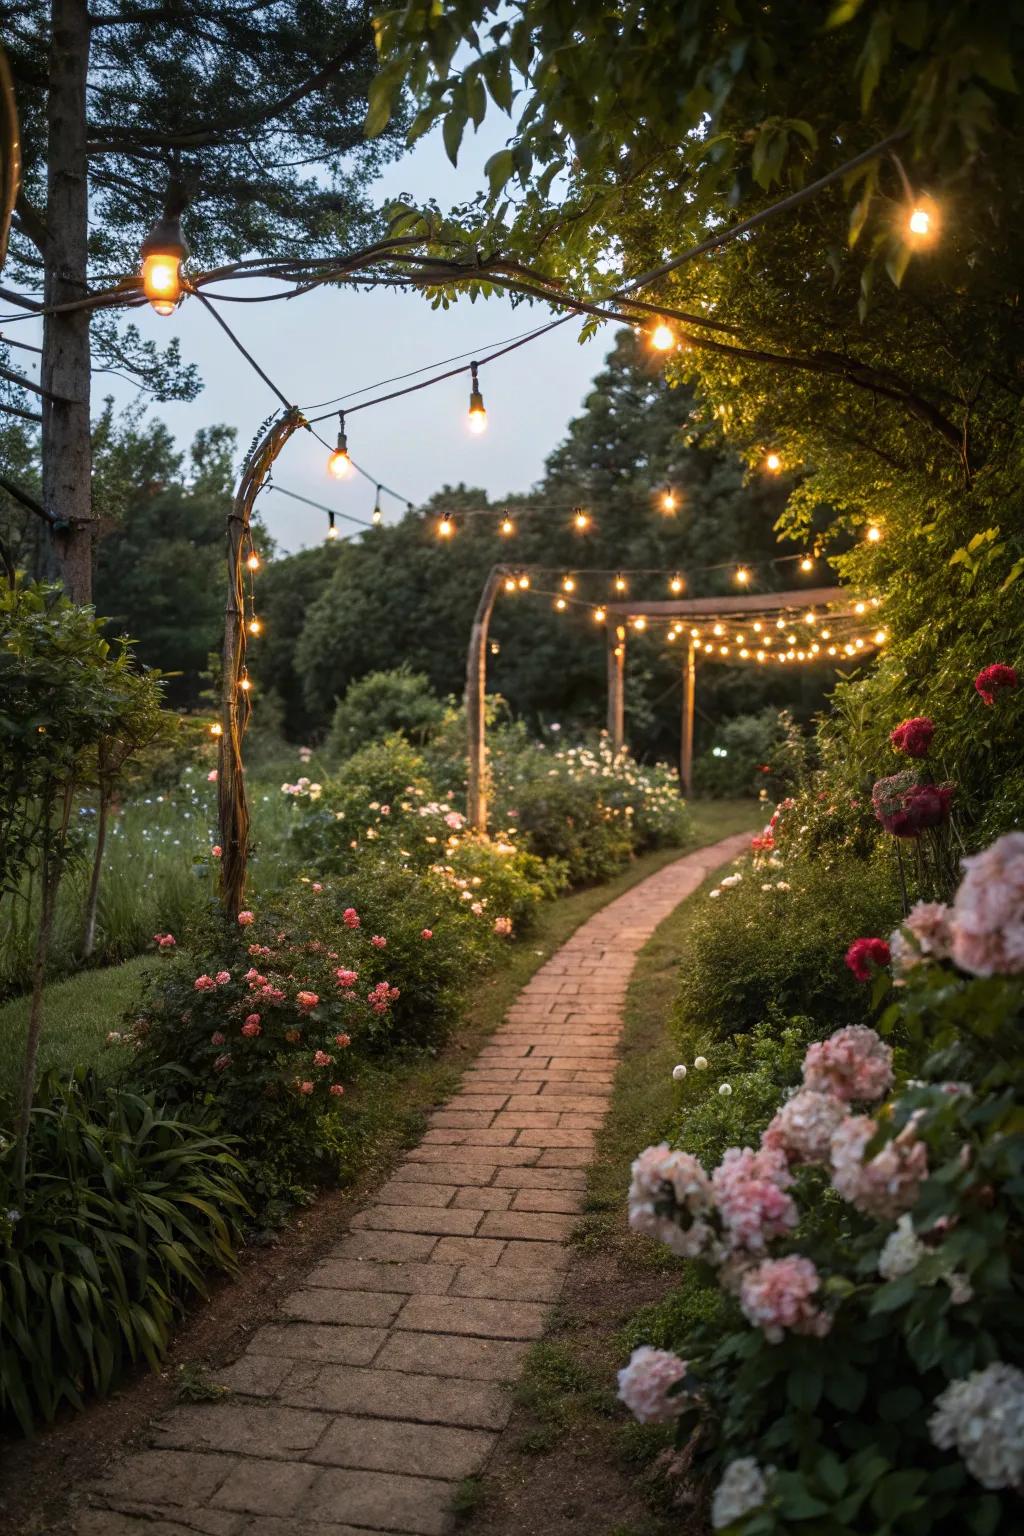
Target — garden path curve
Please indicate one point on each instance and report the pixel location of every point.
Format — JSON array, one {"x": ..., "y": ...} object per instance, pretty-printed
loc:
[{"x": 383, "y": 1382}]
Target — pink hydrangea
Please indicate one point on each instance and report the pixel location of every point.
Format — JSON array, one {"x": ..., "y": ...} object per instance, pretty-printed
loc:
[
  {"x": 222, "y": 978},
  {"x": 427, "y": 933},
  {"x": 204, "y": 983},
  {"x": 337, "y": 1090},
  {"x": 669, "y": 1197},
  {"x": 865, "y": 956},
  {"x": 321, "y": 1059},
  {"x": 245, "y": 918},
  {"x": 306, "y": 999},
  {"x": 350, "y": 917},
  {"x": 988, "y": 910},
  {"x": 306, "y": 1087},
  {"x": 347, "y": 978},
  {"x": 646, "y": 1383},
  {"x": 503, "y": 927},
  {"x": 854, "y": 1063},
  {"x": 750, "y": 1193},
  {"x": 888, "y": 1183},
  {"x": 379, "y": 941},
  {"x": 777, "y": 1296},
  {"x": 802, "y": 1128},
  {"x": 217, "y": 1038},
  {"x": 251, "y": 1028}
]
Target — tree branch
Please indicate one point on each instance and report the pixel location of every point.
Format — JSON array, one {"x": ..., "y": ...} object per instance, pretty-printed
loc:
[
  {"x": 25, "y": 499},
  {"x": 23, "y": 383},
  {"x": 14, "y": 410}
]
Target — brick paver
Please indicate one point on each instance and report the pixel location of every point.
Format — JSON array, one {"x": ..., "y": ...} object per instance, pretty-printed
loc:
[{"x": 383, "y": 1381}]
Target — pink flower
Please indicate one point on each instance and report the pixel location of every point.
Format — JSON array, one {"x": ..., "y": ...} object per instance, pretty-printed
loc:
[
  {"x": 914, "y": 737},
  {"x": 477, "y": 909},
  {"x": 802, "y": 1128},
  {"x": 306, "y": 999},
  {"x": 928, "y": 922},
  {"x": 211, "y": 777},
  {"x": 305, "y": 1087},
  {"x": 776, "y": 1296},
  {"x": 987, "y": 918},
  {"x": 164, "y": 940},
  {"x": 337, "y": 1090},
  {"x": 217, "y": 851},
  {"x": 343, "y": 1039},
  {"x": 854, "y": 1063},
  {"x": 455, "y": 821},
  {"x": 347, "y": 978},
  {"x": 251, "y": 1027},
  {"x": 316, "y": 887},
  {"x": 428, "y": 933},
  {"x": 245, "y": 918},
  {"x": 204, "y": 984},
  {"x": 258, "y": 949},
  {"x": 906, "y": 808},
  {"x": 217, "y": 1038},
  {"x": 669, "y": 1197},
  {"x": 864, "y": 956},
  {"x": 272, "y": 994},
  {"x": 321, "y": 1059},
  {"x": 253, "y": 977},
  {"x": 350, "y": 917},
  {"x": 222, "y": 1063},
  {"x": 889, "y": 1183},
  {"x": 379, "y": 942},
  {"x": 750, "y": 1193},
  {"x": 222, "y": 978},
  {"x": 503, "y": 927},
  {"x": 991, "y": 679},
  {"x": 385, "y": 810},
  {"x": 645, "y": 1385}
]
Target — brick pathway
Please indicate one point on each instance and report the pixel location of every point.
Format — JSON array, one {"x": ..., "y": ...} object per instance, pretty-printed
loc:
[{"x": 384, "y": 1381}]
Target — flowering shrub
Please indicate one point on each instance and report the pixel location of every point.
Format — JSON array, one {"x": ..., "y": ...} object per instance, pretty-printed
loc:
[{"x": 861, "y": 1373}]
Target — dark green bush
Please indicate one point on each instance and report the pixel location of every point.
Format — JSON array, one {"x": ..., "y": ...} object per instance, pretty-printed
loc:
[
  {"x": 126, "y": 1207},
  {"x": 741, "y": 760},
  {"x": 382, "y": 704}
]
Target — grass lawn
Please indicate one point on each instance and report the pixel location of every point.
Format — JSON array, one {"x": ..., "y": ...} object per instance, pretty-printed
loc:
[{"x": 80, "y": 1012}]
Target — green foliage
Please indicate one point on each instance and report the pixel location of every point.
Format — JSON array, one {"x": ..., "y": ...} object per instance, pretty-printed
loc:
[
  {"x": 741, "y": 758},
  {"x": 125, "y": 1209},
  {"x": 752, "y": 952},
  {"x": 380, "y": 704}
]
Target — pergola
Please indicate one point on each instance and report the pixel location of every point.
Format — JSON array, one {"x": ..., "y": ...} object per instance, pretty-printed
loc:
[{"x": 831, "y": 602}]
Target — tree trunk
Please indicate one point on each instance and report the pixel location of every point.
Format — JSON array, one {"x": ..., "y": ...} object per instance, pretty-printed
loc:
[
  {"x": 476, "y": 705},
  {"x": 51, "y": 868},
  {"x": 65, "y": 368},
  {"x": 89, "y": 933}
]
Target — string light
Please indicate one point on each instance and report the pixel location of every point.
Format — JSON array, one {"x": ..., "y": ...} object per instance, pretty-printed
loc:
[
  {"x": 163, "y": 251},
  {"x": 524, "y": 582},
  {"x": 255, "y": 627},
  {"x": 826, "y": 634},
  {"x": 332, "y": 532},
  {"x": 640, "y": 624},
  {"x": 377, "y": 516},
  {"x": 507, "y": 526},
  {"x": 599, "y": 615},
  {"x": 581, "y": 520},
  {"x": 880, "y": 637},
  {"x": 620, "y": 583},
  {"x": 694, "y": 634},
  {"x": 510, "y": 584},
  {"x": 245, "y": 684},
  {"x": 718, "y": 629},
  {"x": 561, "y": 604},
  {"x": 669, "y": 502},
  {"x": 568, "y": 584},
  {"x": 216, "y": 729},
  {"x": 663, "y": 338},
  {"x": 810, "y": 617},
  {"x": 772, "y": 463},
  {"x": 860, "y": 608},
  {"x": 445, "y": 528},
  {"x": 477, "y": 419},
  {"x": 757, "y": 626},
  {"x": 253, "y": 561},
  {"x": 874, "y": 533},
  {"x": 495, "y": 647},
  {"x": 671, "y": 635},
  {"x": 339, "y": 465},
  {"x": 676, "y": 584},
  {"x": 922, "y": 221},
  {"x": 742, "y": 576},
  {"x": 807, "y": 564}
]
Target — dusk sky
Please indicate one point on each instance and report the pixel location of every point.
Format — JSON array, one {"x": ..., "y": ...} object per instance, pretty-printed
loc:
[{"x": 328, "y": 343}]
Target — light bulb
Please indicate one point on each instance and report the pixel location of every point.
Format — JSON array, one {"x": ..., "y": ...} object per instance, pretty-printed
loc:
[
  {"x": 477, "y": 418},
  {"x": 663, "y": 337},
  {"x": 671, "y": 634},
  {"x": 880, "y": 637},
  {"x": 161, "y": 281},
  {"x": 445, "y": 528},
  {"x": 620, "y": 583},
  {"x": 377, "y": 516},
  {"x": 245, "y": 685},
  {"x": 874, "y": 533},
  {"x": 694, "y": 634},
  {"x": 216, "y": 729},
  {"x": 339, "y": 465},
  {"x": 581, "y": 520},
  {"x": 742, "y": 576},
  {"x": 757, "y": 626},
  {"x": 718, "y": 629},
  {"x": 669, "y": 502},
  {"x": 810, "y": 617},
  {"x": 815, "y": 648},
  {"x": 524, "y": 582},
  {"x": 807, "y": 564},
  {"x": 826, "y": 634},
  {"x": 860, "y": 607},
  {"x": 332, "y": 532},
  {"x": 740, "y": 639},
  {"x": 568, "y": 584},
  {"x": 253, "y": 561},
  {"x": 780, "y": 623},
  {"x": 708, "y": 647},
  {"x": 772, "y": 463},
  {"x": 561, "y": 604},
  {"x": 599, "y": 615},
  {"x": 723, "y": 650},
  {"x": 255, "y": 627},
  {"x": 922, "y": 226},
  {"x": 640, "y": 624},
  {"x": 760, "y": 655},
  {"x": 507, "y": 526},
  {"x": 744, "y": 653},
  {"x": 791, "y": 639},
  {"x": 510, "y": 584},
  {"x": 676, "y": 584}
]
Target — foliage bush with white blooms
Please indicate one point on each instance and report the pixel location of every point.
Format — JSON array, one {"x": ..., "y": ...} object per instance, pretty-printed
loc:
[{"x": 865, "y": 1373}]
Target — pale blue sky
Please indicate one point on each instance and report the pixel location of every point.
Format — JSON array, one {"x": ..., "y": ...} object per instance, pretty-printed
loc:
[{"x": 333, "y": 341}]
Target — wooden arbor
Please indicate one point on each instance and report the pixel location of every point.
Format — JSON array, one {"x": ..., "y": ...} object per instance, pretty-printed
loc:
[{"x": 691, "y": 609}]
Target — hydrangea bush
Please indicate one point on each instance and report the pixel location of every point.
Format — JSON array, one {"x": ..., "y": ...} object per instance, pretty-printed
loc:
[{"x": 863, "y": 1373}]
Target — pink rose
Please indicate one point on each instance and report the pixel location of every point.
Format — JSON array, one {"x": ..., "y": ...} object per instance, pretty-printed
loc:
[
  {"x": 350, "y": 917},
  {"x": 211, "y": 777},
  {"x": 251, "y": 1027},
  {"x": 316, "y": 887},
  {"x": 245, "y": 918},
  {"x": 222, "y": 1063},
  {"x": 321, "y": 1059},
  {"x": 428, "y": 933},
  {"x": 337, "y": 1090},
  {"x": 343, "y": 1040},
  {"x": 306, "y": 1087},
  {"x": 306, "y": 999},
  {"x": 204, "y": 984},
  {"x": 385, "y": 810},
  {"x": 503, "y": 927},
  {"x": 379, "y": 941},
  {"x": 217, "y": 850},
  {"x": 222, "y": 978}
]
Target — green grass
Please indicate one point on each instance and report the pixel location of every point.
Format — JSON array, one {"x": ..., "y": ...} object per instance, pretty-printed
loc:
[{"x": 78, "y": 1016}]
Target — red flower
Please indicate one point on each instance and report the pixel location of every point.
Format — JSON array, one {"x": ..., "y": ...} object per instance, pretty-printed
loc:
[
  {"x": 864, "y": 955},
  {"x": 350, "y": 917},
  {"x": 914, "y": 737},
  {"x": 990, "y": 679},
  {"x": 428, "y": 933},
  {"x": 906, "y": 809},
  {"x": 378, "y": 941},
  {"x": 763, "y": 843}
]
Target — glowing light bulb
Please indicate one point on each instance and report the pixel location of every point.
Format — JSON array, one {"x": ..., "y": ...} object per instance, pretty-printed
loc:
[
  {"x": 253, "y": 561},
  {"x": 757, "y": 626},
  {"x": 524, "y": 582},
  {"x": 245, "y": 685},
  {"x": 507, "y": 526},
  {"x": 561, "y": 604},
  {"x": 255, "y": 627},
  {"x": 920, "y": 221},
  {"x": 445, "y": 528},
  {"x": 495, "y": 647},
  {"x": 744, "y": 653},
  {"x": 873, "y": 534},
  {"x": 742, "y": 576},
  {"x": 708, "y": 647},
  {"x": 663, "y": 337},
  {"x": 332, "y": 532},
  {"x": 339, "y": 465},
  {"x": 780, "y": 623},
  {"x": 669, "y": 503},
  {"x": 477, "y": 418},
  {"x": 161, "y": 282},
  {"x": 718, "y": 629},
  {"x": 832, "y": 650},
  {"x": 760, "y": 655},
  {"x": 723, "y": 650},
  {"x": 671, "y": 635},
  {"x": 826, "y": 634},
  {"x": 620, "y": 583},
  {"x": 807, "y": 564},
  {"x": 815, "y": 648},
  {"x": 216, "y": 729},
  {"x": 694, "y": 634},
  {"x": 568, "y": 584},
  {"x": 599, "y": 615},
  {"x": 772, "y": 463},
  {"x": 510, "y": 584},
  {"x": 810, "y": 617},
  {"x": 640, "y": 624},
  {"x": 860, "y": 607},
  {"x": 791, "y": 639},
  {"x": 676, "y": 584},
  {"x": 880, "y": 637},
  {"x": 377, "y": 516},
  {"x": 581, "y": 519}
]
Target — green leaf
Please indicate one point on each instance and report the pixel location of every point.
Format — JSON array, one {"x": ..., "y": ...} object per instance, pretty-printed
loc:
[
  {"x": 498, "y": 169},
  {"x": 452, "y": 130}
]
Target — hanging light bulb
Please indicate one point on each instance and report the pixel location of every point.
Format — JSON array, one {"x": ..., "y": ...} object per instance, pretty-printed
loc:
[
  {"x": 860, "y": 608},
  {"x": 581, "y": 519},
  {"x": 757, "y": 626},
  {"x": 245, "y": 684},
  {"x": 744, "y": 653},
  {"x": 880, "y": 637},
  {"x": 640, "y": 624},
  {"x": 524, "y": 582},
  {"x": 742, "y": 576},
  {"x": 810, "y": 617},
  {"x": 568, "y": 584},
  {"x": 339, "y": 465},
  {"x": 740, "y": 639},
  {"x": 723, "y": 650},
  {"x": 922, "y": 221},
  {"x": 477, "y": 418},
  {"x": 377, "y": 516},
  {"x": 676, "y": 584},
  {"x": 807, "y": 564},
  {"x": 507, "y": 526},
  {"x": 332, "y": 532},
  {"x": 445, "y": 527},
  {"x": 760, "y": 656},
  {"x": 561, "y": 604},
  {"x": 873, "y": 534},
  {"x": 694, "y": 634},
  {"x": 772, "y": 463},
  {"x": 663, "y": 338},
  {"x": 510, "y": 584},
  {"x": 620, "y": 583},
  {"x": 599, "y": 615},
  {"x": 669, "y": 501},
  {"x": 253, "y": 561},
  {"x": 718, "y": 629},
  {"x": 495, "y": 647},
  {"x": 216, "y": 729},
  {"x": 815, "y": 648},
  {"x": 791, "y": 639},
  {"x": 163, "y": 251},
  {"x": 826, "y": 634},
  {"x": 255, "y": 627}
]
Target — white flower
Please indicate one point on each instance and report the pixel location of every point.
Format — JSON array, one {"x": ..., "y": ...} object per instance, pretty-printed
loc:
[
  {"x": 743, "y": 1488},
  {"x": 961, "y": 1291},
  {"x": 645, "y": 1382},
  {"x": 679, "y": 1073},
  {"x": 701, "y": 1063},
  {"x": 714, "y": 893},
  {"x": 725, "y": 1089},
  {"x": 731, "y": 880},
  {"x": 782, "y": 885},
  {"x": 982, "y": 1417},
  {"x": 902, "y": 1251}
]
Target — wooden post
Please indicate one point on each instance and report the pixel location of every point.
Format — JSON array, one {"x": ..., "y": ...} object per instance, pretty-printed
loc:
[
  {"x": 617, "y": 686},
  {"x": 476, "y": 704},
  {"x": 689, "y": 690},
  {"x": 232, "y": 804}
]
